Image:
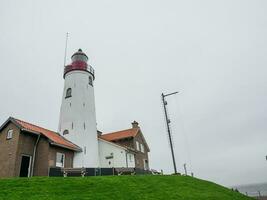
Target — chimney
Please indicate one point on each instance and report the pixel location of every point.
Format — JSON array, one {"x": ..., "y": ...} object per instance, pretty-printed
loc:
[{"x": 135, "y": 124}]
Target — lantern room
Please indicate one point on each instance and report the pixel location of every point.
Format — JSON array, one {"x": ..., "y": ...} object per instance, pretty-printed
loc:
[{"x": 79, "y": 62}]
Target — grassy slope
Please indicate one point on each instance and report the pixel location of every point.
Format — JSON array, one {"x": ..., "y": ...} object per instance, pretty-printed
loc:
[{"x": 115, "y": 187}]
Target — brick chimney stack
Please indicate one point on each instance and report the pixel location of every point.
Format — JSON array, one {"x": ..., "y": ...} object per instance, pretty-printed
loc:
[{"x": 135, "y": 124}]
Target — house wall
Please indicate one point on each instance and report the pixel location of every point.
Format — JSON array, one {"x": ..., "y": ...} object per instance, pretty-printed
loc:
[
  {"x": 119, "y": 155},
  {"x": 8, "y": 151},
  {"x": 140, "y": 156},
  {"x": 45, "y": 154},
  {"x": 68, "y": 156},
  {"x": 41, "y": 158},
  {"x": 127, "y": 142},
  {"x": 25, "y": 147}
]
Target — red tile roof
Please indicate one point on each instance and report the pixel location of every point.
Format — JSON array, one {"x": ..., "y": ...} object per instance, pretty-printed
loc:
[
  {"x": 56, "y": 138},
  {"x": 120, "y": 134}
]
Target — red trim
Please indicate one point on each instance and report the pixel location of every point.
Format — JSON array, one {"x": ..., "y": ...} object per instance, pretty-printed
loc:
[{"x": 77, "y": 65}]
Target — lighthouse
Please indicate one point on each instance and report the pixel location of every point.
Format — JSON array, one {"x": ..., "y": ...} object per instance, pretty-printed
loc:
[{"x": 77, "y": 120}]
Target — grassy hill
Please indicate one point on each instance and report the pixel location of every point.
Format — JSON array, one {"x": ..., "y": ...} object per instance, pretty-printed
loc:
[{"x": 115, "y": 187}]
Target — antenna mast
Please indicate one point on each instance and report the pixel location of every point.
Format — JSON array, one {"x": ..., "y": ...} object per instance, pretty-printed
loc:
[
  {"x": 168, "y": 121},
  {"x": 66, "y": 46}
]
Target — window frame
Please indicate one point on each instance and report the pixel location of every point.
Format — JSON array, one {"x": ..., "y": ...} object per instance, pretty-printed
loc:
[
  {"x": 68, "y": 93},
  {"x": 137, "y": 145},
  {"x": 130, "y": 157},
  {"x": 60, "y": 164},
  {"x": 142, "y": 148},
  {"x": 65, "y": 132},
  {"x": 9, "y": 135},
  {"x": 91, "y": 81}
]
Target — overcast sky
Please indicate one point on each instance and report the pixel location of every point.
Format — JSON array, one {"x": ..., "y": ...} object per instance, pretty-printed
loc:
[{"x": 213, "y": 52}]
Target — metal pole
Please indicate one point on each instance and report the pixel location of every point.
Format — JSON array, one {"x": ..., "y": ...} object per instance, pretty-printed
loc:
[
  {"x": 66, "y": 46},
  {"x": 185, "y": 170},
  {"x": 169, "y": 131}
]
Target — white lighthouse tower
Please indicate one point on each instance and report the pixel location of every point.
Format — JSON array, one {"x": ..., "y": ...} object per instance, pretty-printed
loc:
[{"x": 77, "y": 120}]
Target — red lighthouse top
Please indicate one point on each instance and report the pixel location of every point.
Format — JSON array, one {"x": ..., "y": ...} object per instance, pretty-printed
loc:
[{"x": 79, "y": 62}]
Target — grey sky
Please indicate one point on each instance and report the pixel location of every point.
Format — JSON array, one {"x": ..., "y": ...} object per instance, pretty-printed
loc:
[{"x": 213, "y": 52}]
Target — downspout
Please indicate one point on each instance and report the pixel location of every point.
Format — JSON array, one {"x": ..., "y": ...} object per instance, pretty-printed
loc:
[{"x": 34, "y": 154}]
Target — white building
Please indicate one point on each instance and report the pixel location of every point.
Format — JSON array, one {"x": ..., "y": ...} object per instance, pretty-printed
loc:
[{"x": 113, "y": 155}]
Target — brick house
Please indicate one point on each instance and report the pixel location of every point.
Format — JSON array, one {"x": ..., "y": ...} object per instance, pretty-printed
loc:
[{"x": 29, "y": 150}]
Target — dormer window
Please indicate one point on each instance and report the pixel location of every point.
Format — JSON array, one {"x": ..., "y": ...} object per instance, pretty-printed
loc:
[
  {"x": 90, "y": 81},
  {"x": 68, "y": 93}
]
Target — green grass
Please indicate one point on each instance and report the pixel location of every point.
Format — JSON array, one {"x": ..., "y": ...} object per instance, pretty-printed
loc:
[{"x": 115, "y": 187}]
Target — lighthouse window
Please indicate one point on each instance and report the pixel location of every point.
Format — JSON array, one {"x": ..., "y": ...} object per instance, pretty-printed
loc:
[
  {"x": 90, "y": 81},
  {"x": 65, "y": 132},
  {"x": 68, "y": 93}
]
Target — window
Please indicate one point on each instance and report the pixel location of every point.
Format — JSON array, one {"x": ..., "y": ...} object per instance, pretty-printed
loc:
[
  {"x": 60, "y": 159},
  {"x": 146, "y": 167},
  {"x": 68, "y": 93},
  {"x": 90, "y": 81},
  {"x": 137, "y": 146},
  {"x": 142, "y": 148},
  {"x": 130, "y": 157},
  {"x": 84, "y": 149},
  {"x": 9, "y": 134},
  {"x": 79, "y": 57},
  {"x": 65, "y": 132}
]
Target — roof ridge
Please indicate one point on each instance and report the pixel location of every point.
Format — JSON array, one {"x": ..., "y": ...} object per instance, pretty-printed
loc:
[
  {"x": 45, "y": 129},
  {"x": 120, "y": 131},
  {"x": 36, "y": 125}
]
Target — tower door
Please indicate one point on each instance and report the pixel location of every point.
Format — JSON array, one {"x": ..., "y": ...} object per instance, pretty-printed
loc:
[{"x": 25, "y": 166}]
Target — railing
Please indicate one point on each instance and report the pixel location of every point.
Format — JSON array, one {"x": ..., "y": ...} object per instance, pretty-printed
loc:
[
  {"x": 79, "y": 66},
  {"x": 91, "y": 70},
  {"x": 56, "y": 171}
]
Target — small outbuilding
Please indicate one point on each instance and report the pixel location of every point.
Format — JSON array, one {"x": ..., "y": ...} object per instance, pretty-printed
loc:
[{"x": 29, "y": 150}]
